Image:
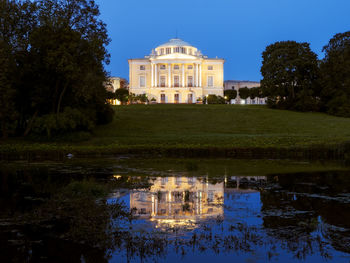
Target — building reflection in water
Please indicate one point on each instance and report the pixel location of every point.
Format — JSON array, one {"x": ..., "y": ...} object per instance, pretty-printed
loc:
[
  {"x": 183, "y": 201},
  {"x": 178, "y": 201}
]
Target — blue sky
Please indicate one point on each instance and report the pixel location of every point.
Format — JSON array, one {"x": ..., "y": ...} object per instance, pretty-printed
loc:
[{"x": 236, "y": 30}]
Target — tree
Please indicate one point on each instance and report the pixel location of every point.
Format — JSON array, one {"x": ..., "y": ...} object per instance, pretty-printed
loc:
[
  {"x": 122, "y": 95},
  {"x": 244, "y": 93},
  {"x": 290, "y": 72},
  {"x": 59, "y": 51},
  {"x": 255, "y": 92},
  {"x": 230, "y": 94},
  {"x": 335, "y": 76},
  {"x": 8, "y": 111}
]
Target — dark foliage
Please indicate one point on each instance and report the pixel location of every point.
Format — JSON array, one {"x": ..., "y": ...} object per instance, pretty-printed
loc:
[
  {"x": 230, "y": 94},
  {"x": 290, "y": 73},
  {"x": 122, "y": 95},
  {"x": 213, "y": 99},
  {"x": 335, "y": 76},
  {"x": 244, "y": 93},
  {"x": 56, "y": 51}
]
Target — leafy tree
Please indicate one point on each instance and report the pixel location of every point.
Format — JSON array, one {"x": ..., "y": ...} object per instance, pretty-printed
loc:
[
  {"x": 122, "y": 95},
  {"x": 244, "y": 93},
  {"x": 8, "y": 111},
  {"x": 255, "y": 92},
  {"x": 58, "y": 49},
  {"x": 335, "y": 75},
  {"x": 290, "y": 72},
  {"x": 231, "y": 94}
]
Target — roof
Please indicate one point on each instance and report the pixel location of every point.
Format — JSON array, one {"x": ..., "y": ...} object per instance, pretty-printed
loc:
[{"x": 175, "y": 42}]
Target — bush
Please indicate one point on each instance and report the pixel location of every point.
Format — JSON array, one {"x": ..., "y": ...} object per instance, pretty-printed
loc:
[
  {"x": 213, "y": 99},
  {"x": 68, "y": 121},
  {"x": 105, "y": 114}
]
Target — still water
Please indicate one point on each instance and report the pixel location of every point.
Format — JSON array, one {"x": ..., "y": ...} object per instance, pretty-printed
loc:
[{"x": 171, "y": 210}]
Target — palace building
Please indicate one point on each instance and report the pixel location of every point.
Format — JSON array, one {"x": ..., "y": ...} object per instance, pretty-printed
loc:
[{"x": 176, "y": 72}]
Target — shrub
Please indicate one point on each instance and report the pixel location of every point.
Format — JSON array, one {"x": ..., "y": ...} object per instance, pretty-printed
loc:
[
  {"x": 213, "y": 99},
  {"x": 68, "y": 121}
]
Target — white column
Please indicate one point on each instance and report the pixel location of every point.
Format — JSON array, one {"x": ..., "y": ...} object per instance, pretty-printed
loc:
[
  {"x": 183, "y": 75},
  {"x": 195, "y": 75},
  {"x": 156, "y": 75},
  {"x": 200, "y": 75},
  {"x": 152, "y": 73},
  {"x": 169, "y": 75}
]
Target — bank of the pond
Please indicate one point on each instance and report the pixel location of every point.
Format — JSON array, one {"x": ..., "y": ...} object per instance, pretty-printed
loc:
[{"x": 235, "y": 131}]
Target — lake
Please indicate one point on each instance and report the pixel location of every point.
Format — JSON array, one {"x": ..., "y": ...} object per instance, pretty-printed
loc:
[{"x": 129, "y": 209}]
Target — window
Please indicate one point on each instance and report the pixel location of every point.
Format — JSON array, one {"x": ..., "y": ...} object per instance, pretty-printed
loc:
[
  {"x": 162, "y": 100},
  {"x": 162, "y": 81},
  {"x": 162, "y": 51},
  {"x": 190, "y": 51},
  {"x": 183, "y": 50},
  {"x": 142, "y": 81},
  {"x": 210, "y": 81},
  {"x": 168, "y": 50},
  {"x": 210, "y": 67},
  {"x": 176, "y": 66},
  {"x": 176, "y": 81},
  {"x": 142, "y": 67},
  {"x": 190, "y": 98},
  {"x": 189, "y": 67},
  {"x": 176, "y": 100},
  {"x": 189, "y": 81},
  {"x": 162, "y": 67},
  {"x": 176, "y": 50}
]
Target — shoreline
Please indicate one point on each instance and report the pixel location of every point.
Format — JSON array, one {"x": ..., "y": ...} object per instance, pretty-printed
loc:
[{"x": 58, "y": 152}]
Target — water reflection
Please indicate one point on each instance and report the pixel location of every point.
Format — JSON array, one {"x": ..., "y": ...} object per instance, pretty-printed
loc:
[
  {"x": 178, "y": 201},
  {"x": 187, "y": 216}
]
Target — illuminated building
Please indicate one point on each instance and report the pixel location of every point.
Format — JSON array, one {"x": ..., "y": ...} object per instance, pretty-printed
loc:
[{"x": 176, "y": 72}]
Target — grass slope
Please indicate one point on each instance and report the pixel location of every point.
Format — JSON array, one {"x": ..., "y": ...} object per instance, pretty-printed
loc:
[
  {"x": 152, "y": 128},
  {"x": 220, "y": 125}
]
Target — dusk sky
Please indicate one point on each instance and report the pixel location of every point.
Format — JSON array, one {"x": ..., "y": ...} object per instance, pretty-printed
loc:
[{"x": 236, "y": 30}]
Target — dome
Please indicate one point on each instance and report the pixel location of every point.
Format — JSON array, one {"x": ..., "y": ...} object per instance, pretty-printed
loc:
[{"x": 175, "y": 42}]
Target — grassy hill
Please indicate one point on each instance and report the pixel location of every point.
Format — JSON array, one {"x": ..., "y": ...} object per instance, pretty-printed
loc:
[
  {"x": 220, "y": 125},
  {"x": 176, "y": 128}
]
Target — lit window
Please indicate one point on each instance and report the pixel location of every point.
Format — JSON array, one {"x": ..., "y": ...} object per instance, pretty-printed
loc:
[
  {"x": 162, "y": 51},
  {"x": 176, "y": 66},
  {"x": 162, "y": 81},
  {"x": 176, "y": 81},
  {"x": 142, "y": 81},
  {"x": 189, "y": 67},
  {"x": 210, "y": 81},
  {"x": 190, "y": 51},
  {"x": 162, "y": 67},
  {"x": 210, "y": 67},
  {"x": 142, "y": 67},
  {"x": 189, "y": 81},
  {"x": 168, "y": 50}
]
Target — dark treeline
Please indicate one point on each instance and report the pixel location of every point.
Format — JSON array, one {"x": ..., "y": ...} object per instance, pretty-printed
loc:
[
  {"x": 293, "y": 77},
  {"x": 52, "y": 56}
]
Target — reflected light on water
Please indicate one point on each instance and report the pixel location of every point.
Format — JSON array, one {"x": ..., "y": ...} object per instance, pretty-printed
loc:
[{"x": 183, "y": 201}]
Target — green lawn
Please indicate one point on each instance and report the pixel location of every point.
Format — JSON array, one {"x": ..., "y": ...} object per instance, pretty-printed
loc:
[
  {"x": 220, "y": 125},
  {"x": 140, "y": 128}
]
